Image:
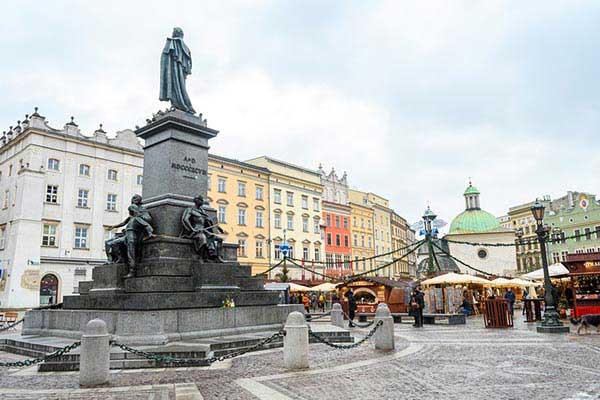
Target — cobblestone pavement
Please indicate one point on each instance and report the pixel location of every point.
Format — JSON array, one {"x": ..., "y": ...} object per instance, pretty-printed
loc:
[{"x": 450, "y": 362}]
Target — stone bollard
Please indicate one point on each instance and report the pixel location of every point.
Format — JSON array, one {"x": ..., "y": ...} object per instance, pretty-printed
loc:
[
  {"x": 337, "y": 315},
  {"x": 295, "y": 342},
  {"x": 94, "y": 360},
  {"x": 384, "y": 336}
]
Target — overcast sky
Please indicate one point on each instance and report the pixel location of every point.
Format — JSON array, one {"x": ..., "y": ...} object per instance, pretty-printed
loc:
[{"x": 410, "y": 98}]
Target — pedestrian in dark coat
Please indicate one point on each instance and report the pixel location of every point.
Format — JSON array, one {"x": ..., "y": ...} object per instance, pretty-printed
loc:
[
  {"x": 510, "y": 296},
  {"x": 417, "y": 304},
  {"x": 352, "y": 307}
]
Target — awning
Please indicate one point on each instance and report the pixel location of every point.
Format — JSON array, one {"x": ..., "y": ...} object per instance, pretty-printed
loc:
[
  {"x": 555, "y": 270},
  {"x": 454, "y": 278},
  {"x": 323, "y": 287}
]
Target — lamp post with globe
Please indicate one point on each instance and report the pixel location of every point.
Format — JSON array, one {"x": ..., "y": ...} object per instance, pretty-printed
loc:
[
  {"x": 428, "y": 217},
  {"x": 551, "y": 322}
]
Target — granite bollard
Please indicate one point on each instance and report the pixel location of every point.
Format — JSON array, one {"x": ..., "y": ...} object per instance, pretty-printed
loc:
[
  {"x": 295, "y": 342},
  {"x": 337, "y": 315},
  {"x": 94, "y": 360},
  {"x": 384, "y": 336}
]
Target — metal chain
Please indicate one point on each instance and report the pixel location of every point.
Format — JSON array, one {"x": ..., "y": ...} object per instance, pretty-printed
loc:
[
  {"x": 31, "y": 361},
  {"x": 5, "y": 328},
  {"x": 347, "y": 346},
  {"x": 358, "y": 324},
  {"x": 197, "y": 362}
]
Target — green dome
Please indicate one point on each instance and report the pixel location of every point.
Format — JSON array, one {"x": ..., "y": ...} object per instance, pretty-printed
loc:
[
  {"x": 474, "y": 221},
  {"x": 471, "y": 190}
]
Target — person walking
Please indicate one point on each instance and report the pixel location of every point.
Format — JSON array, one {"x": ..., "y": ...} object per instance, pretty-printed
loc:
[
  {"x": 322, "y": 302},
  {"x": 417, "y": 303},
  {"x": 510, "y": 296},
  {"x": 306, "y": 303},
  {"x": 351, "y": 307}
]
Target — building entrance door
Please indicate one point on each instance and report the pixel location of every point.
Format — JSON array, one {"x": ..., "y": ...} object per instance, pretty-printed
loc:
[{"x": 48, "y": 290}]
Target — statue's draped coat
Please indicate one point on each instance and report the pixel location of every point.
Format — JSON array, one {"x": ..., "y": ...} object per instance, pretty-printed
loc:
[{"x": 175, "y": 65}]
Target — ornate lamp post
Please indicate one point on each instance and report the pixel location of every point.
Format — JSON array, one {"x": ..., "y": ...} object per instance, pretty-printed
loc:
[
  {"x": 428, "y": 218},
  {"x": 519, "y": 234},
  {"x": 551, "y": 322}
]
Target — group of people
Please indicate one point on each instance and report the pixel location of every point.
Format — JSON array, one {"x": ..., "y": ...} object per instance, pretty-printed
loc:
[{"x": 310, "y": 301}]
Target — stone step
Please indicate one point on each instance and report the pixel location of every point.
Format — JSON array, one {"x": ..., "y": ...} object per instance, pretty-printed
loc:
[{"x": 23, "y": 352}]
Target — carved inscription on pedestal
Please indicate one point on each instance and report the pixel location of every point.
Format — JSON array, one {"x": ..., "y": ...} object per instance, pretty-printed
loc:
[{"x": 188, "y": 166}]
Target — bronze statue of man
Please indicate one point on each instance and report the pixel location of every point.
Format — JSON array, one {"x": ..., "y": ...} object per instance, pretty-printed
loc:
[
  {"x": 200, "y": 227},
  {"x": 175, "y": 66},
  {"x": 137, "y": 227}
]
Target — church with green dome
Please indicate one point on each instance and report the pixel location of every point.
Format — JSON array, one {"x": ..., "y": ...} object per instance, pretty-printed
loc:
[{"x": 478, "y": 226}]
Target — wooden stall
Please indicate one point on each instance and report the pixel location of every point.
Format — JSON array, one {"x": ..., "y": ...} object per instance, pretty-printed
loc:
[
  {"x": 584, "y": 274},
  {"x": 371, "y": 290}
]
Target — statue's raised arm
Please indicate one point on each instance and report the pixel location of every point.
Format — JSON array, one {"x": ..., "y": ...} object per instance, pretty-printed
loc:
[{"x": 175, "y": 66}]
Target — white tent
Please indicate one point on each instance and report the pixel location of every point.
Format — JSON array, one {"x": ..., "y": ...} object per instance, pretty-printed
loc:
[
  {"x": 555, "y": 270},
  {"x": 502, "y": 282},
  {"x": 454, "y": 278},
  {"x": 294, "y": 287},
  {"x": 323, "y": 287}
]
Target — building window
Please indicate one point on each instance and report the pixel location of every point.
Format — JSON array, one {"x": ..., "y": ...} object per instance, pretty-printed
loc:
[
  {"x": 49, "y": 235},
  {"x": 362, "y": 223},
  {"x": 277, "y": 196},
  {"x": 242, "y": 189},
  {"x": 304, "y": 224},
  {"x": 588, "y": 234},
  {"x": 82, "y": 198},
  {"x": 482, "y": 253},
  {"x": 10, "y": 168},
  {"x": 328, "y": 220},
  {"x": 259, "y": 249},
  {"x": 345, "y": 223},
  {"x": 305, "y": 202},
  {"x": 241, "y": 216},
  {"x": 52, "y": 194},
  {"x": 368, "y": 223},
  {"x": 277, "y": 252},
  {"x": 346, "y": 241},
  {"x": 315, "y": 204},
  {"x": 597, "y": 232},
  {"x": 111, "y": 202},
  {"x": 305, "y": 253},
  {"x": 338, "y": 241},
  {"x": 259, "y": 219},
  {"x": 112, "y": 175},
  {"x": 241, "y": 247},
  {"x": 2, "y": 237},
  {"x": 81, "y": 234},
  {"x": 337, "y": 221},
  {"x": 84, "y": 170},
  {"x": 370, "y": 242},
  {"x": 221, "y": 214},
  {"x": 291, "y": 252},
  {"x": 140, "y": 179},
  {"x": 221, "y": 185},
  {"x": 577, "y": 233},
  {"x": 277, "y": 220},
  {"x": 329, "y": 239},
  {"x": 317, "y": 254},
  {"x": 259, "y": 192},
  {"x": 290, "y": 199},
  {"x": 6, "y": 198},
  {"x": 317, "y": 228},
  {"x": 53, "y": 164},
  {"x": 354, "y": 222},
  {"x": 362, "y": 240},
  {"x": 290, "y": 222}
]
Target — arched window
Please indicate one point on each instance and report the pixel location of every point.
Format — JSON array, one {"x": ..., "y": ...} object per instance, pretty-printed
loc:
[{"x": 49, "y": 289}]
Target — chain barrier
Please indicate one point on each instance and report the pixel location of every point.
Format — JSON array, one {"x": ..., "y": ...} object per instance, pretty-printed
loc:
[
  {"x": 197, "y": 362},
  {"x": 358, "y": 324},
  {"x": 32, "y": 361},
  {"x": 347, "y": 346},
  {"x": 310, "y": 317},
  {"x": 7, "y": 327}
]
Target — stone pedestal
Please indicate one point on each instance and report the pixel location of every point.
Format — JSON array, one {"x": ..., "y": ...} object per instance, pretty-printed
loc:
[{"x": 94, "y": 360}]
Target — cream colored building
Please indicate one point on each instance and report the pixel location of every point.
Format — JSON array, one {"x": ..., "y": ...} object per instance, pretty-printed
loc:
[
  {"x": 295, "y": 204},
  {"x": 61, "y": 189},
  {"x": 239, "y": 192},
  {"x": 399, "y": 232},
  {"x": 361, "y": 231}
]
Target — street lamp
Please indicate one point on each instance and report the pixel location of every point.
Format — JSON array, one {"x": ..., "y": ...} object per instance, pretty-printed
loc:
[
  {"x": 428, "y": 218},
  {"x": 551, "y": 322},
  {"x": 519, "y": 234}
]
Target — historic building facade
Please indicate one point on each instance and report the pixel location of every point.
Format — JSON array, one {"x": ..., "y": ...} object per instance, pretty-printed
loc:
[
  {"x": 527, "y": 251},
  {"x": 61, "y": 190},
  {"x": 296, "y": 214},
  {"x": 239, "y": 192},
  {"x": 336, "y": 221},
  {"x": 478, "y": 226},
  {"x": 399, "y": 233},
  {"x": 361, "y": 230}
]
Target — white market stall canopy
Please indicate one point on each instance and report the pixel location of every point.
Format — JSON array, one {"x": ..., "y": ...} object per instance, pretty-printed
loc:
[
  {"x": 323, "y": 287},
  {"x": 555, "y": 270},
  {"x": 294, "y": 287},
  {"x": 454, "y": 278}
]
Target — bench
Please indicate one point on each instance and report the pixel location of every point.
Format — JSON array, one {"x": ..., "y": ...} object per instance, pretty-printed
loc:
[{"x": 8, "y": 319}]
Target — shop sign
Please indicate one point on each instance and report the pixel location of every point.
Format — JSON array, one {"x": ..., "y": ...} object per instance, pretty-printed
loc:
[{"x": 360, "y": 283}]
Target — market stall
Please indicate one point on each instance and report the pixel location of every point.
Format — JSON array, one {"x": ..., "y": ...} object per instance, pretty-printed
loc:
[
  {"x": 583, "y": 293},
  {"x": 444, "y": 293},
  {"x": 371, "y": 290}
]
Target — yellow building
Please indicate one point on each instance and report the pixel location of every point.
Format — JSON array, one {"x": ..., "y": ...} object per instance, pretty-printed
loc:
[
  {"x": 528, "y": 254},
  {"x": 361, "y": 229},
  {"x": 399, "y": 232},
  {"x": 295, "y": 210},
  {"x": 239, "y": 192}
]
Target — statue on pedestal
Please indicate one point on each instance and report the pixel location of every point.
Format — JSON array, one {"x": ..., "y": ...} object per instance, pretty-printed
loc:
[
  {"x": 200, "y": 227},
  {"x": 126, "y": 246},
  {"x": 175, "y": 65}
]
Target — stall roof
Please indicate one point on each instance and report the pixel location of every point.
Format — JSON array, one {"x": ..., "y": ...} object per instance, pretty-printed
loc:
[
  {"x": 554, "y": 270},
  {"x": 381, "y": 281}
]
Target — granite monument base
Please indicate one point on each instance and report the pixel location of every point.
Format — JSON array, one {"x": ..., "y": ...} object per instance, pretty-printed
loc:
[{"x": 160, "y": 327}]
